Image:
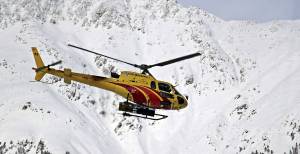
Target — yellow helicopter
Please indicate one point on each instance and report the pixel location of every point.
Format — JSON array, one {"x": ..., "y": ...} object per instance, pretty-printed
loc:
[{"x": 143, "y": 93}]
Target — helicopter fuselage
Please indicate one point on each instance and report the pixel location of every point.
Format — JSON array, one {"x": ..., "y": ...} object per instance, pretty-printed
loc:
[
  {"x": 136, "y": 87},
  {"x": 143, "y": 93}
]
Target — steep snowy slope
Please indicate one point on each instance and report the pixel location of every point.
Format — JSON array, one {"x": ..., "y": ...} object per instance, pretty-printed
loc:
[{"x": 244, "y": 91}]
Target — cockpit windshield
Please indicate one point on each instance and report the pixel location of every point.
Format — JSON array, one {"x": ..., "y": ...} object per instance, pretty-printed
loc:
[
  {"x": 167, "y": 88},
  {"x": 164, "y": 87}
]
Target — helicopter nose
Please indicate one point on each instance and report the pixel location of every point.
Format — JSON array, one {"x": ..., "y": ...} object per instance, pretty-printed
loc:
[{"x": 184, "y": 105}]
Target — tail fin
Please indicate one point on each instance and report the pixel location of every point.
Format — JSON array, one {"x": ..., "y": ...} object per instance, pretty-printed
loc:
[
  {"x": 38, "y": 60},
  {"x": 39, "y": 63}
]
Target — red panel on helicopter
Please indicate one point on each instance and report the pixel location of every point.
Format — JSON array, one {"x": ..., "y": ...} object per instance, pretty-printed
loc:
[
  {"x": 138, "y": 96},
  {"x": 153, "y": 96}
]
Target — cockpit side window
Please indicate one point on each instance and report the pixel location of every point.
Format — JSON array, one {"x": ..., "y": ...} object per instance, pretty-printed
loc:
[
  {"x": 153, "y": 85},
  {"x": 164, "y": 87}
]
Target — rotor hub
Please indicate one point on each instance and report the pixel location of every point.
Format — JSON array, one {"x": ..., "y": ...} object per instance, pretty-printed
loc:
[{"x": 144, "y": 66}]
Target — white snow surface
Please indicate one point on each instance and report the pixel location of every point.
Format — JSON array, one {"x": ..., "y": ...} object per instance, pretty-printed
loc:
[{"x": 244, "y": 91}]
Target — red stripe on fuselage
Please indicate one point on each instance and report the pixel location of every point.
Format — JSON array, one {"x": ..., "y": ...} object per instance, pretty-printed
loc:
[
  {"x": 153, "y": 96},
  {"x": 138, "y": 96}
]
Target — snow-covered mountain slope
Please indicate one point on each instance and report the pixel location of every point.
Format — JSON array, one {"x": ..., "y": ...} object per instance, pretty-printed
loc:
[{"x": 244, "y": 91}]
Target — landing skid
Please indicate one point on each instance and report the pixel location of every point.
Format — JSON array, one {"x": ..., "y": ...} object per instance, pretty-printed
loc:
[{"x": 160, "y": 116}]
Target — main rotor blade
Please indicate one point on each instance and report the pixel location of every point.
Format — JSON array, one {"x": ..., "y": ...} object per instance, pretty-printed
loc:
[
  {"x": 175, "y": 60},
  {"x": 56, "y": 63},
  {"x": 134, "y": 65}
]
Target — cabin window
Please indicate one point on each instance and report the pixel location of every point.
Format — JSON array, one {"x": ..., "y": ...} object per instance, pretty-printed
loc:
[
  {"x": 153, "y": 85},
  {"x": 165, "y": 104},
  {"x": 164, "y": 87},
  {"x": 167, "y": 95}
]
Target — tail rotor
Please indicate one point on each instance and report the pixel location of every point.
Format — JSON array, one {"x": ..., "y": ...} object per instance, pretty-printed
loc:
[{"x": 41, "y": 69}]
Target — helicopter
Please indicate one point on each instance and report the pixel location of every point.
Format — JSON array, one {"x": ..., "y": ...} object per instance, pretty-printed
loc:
[{"x": 144, "y": 94}]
